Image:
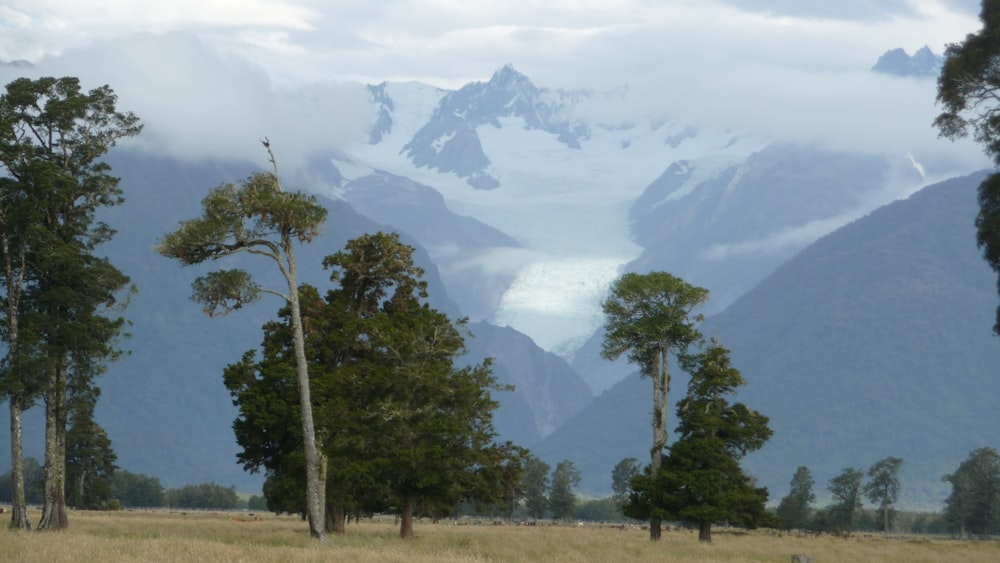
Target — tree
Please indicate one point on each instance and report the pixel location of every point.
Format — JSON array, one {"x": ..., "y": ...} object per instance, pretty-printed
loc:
[
  {"x": 52, "y": 136},
  {"x": 649, "y": 316},
  {"x": 90, "y": 461},
  {"x": 883, "y": 487},
  {"x": 846, "y": 506},
  {"x": 562, "y": 499},
  {"x": 701, "y": 481},
  {"x": 400, "y": 425},
  {"x": 794, "y": 508},
  {"x": 974, "y": 503},
  {"x": 969, "y": 91},
  {"x": 137, "y": 490},
  {"x": 258, "y": 217},
  {"x": 536, "y": 487},
  {"x": 621, "y": 479}
]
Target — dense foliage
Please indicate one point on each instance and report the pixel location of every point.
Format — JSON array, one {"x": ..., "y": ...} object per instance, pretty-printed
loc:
[
  {"x": 794, "y": 509},
  {"x": 135, "y": 490},
  {"x": 701, "y": 481},
  {"x": 57, "y": 291},
  {"x": 401, "y": 427}
]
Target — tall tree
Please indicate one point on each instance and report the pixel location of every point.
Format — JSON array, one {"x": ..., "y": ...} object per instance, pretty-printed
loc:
[
  {"x": 536, "y": 487},
  {"x": 649, "y": 316},
  {"x": 883, "y": 486},
  {"x": 562, "y": 499},
  {"x": 794, "y": 508},
  {"x": 258, "y": 217},
  {"x": 969, "y": 92},
  {"x": 701, "y": 481},
  {"x": 974, "y": 503},
  {"x": 621, "y": 479},
  {"x": 52, "y": 137},
  {"x": 846, "y": 507}
]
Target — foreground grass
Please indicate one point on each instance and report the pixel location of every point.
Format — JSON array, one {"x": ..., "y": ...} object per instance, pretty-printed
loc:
[{"x": 204, "y": 537}]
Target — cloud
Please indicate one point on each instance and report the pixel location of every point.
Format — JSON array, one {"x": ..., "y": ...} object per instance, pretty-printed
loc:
[{"x": 197, "y": 103}]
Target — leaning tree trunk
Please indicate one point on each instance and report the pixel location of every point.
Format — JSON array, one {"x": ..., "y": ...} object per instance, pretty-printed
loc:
[
  {"x": 406, "y": 519},
  {"x": 315, "y": 474},
  {"x": 661, "y": 390},
  {"x": 54, "y": 516},
  {"x": 19, "y": 507}
]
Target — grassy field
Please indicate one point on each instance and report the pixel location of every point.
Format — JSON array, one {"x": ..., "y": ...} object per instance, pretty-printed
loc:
[{"x": 209, "y": 537}]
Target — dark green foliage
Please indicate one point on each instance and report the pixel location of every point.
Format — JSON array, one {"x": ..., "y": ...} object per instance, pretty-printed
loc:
[
  {"x": 400, "y": 426},
  {"x": 973, "y": 507},
  {"x": 599, "y": 510},
  {"x": 968, "y": 90},
  {"x": 90, "y": 461},
  {"x": 844, "y": 511},
  {"x": 135, "y": 490},
  {"x": 257, "y": 502},
  {"x": 701, "y": 481},
  {"x": 794, "y": 509},
  {"x": 883, "y": 488},
  {"x": 562, "y": 499},
  {"x": 535, "y": 483},
  {"x": 203, "y": 496}
]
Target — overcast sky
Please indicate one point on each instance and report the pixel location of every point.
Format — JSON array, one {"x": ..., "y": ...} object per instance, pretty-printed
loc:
[{"x": 285, "y": 65}]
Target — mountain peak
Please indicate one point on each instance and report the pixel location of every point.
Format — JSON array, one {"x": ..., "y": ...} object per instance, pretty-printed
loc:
[{"x": 897, "y": 62}]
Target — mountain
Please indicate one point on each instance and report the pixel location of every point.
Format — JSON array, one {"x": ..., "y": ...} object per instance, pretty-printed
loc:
[
  {"x": 923, "y": 63},
  {"x": 164, "y": 405},
  {"x": 585, "y": 193},
  {"x": 873, "y": 341}
]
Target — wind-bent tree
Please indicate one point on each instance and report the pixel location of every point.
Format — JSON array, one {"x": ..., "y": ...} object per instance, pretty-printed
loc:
[
  {"x": 536, "y": 487},
  {"x": 649, "y": 316},
  {"x": 258, "y": 217},
  {"x": 794, "y": 509},
  {"x": 701, "y": 481},
  {"x": 969, "y": 91},
  {"x": 973, "y": 506},
  {"x": 562, "y": 499},
  {"x": 846, "y": 506},
  {"x": 52, "y": 137},
  {"x": 883, "y": 487}
]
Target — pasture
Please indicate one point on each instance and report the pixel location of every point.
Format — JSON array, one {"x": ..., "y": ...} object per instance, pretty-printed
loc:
[{"x": 205, "y": 536}]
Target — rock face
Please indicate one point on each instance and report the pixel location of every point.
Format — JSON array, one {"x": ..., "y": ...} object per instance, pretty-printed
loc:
[
  {"x": 923, "y": 63},
  {"x": 449, "y": 142}
]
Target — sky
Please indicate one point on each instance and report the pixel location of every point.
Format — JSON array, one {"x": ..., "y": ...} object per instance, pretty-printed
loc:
[{"x": 229, "y": 69}]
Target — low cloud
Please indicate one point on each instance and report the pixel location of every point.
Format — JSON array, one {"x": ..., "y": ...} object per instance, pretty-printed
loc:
[{"x": 199, "y": 104}]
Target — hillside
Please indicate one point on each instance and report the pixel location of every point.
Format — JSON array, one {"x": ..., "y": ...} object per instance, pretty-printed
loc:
[{"x": 874, "y": 341}]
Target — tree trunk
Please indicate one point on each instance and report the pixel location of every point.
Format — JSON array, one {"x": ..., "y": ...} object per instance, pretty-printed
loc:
[
  {"x": 19, "y": 508},
  {"x": 406, "y": 519},
  {"x": 315, "y": 474},
  {"x": 336, "y": 521},
  {"x": 54, "y": 516},
  {"x": 705, "y": 532},
  {"x": 661, "y": 391},
  {"x": 885, "y": 519}
]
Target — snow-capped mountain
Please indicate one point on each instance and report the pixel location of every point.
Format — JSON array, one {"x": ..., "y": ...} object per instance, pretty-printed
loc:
[{"x": 579, "y": 197}]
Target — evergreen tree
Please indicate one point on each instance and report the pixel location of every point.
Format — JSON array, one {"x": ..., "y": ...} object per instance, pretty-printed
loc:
[
  {"x": 536, "y": 487},
  {"x": 701, "y": 481},
  {"x": 90, "y": 461},
  {"x": 968, "y": 88},
  {"x": 562, "y": 499},
  {"x": 621, "y": 479},
  {"x": 137, "y": 490},
  {"x": 649, "y": 316},
  {"x": 794, "y": 509},
  {"x": 883, "y": 487},
  {"x": 845, "y": 510},
  {"x": 57, "y": 292},
  {"x": 973, "y": 507}
]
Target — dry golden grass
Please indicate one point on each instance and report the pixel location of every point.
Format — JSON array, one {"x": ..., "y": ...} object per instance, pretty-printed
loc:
[{"x": 210, "y": 537}]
